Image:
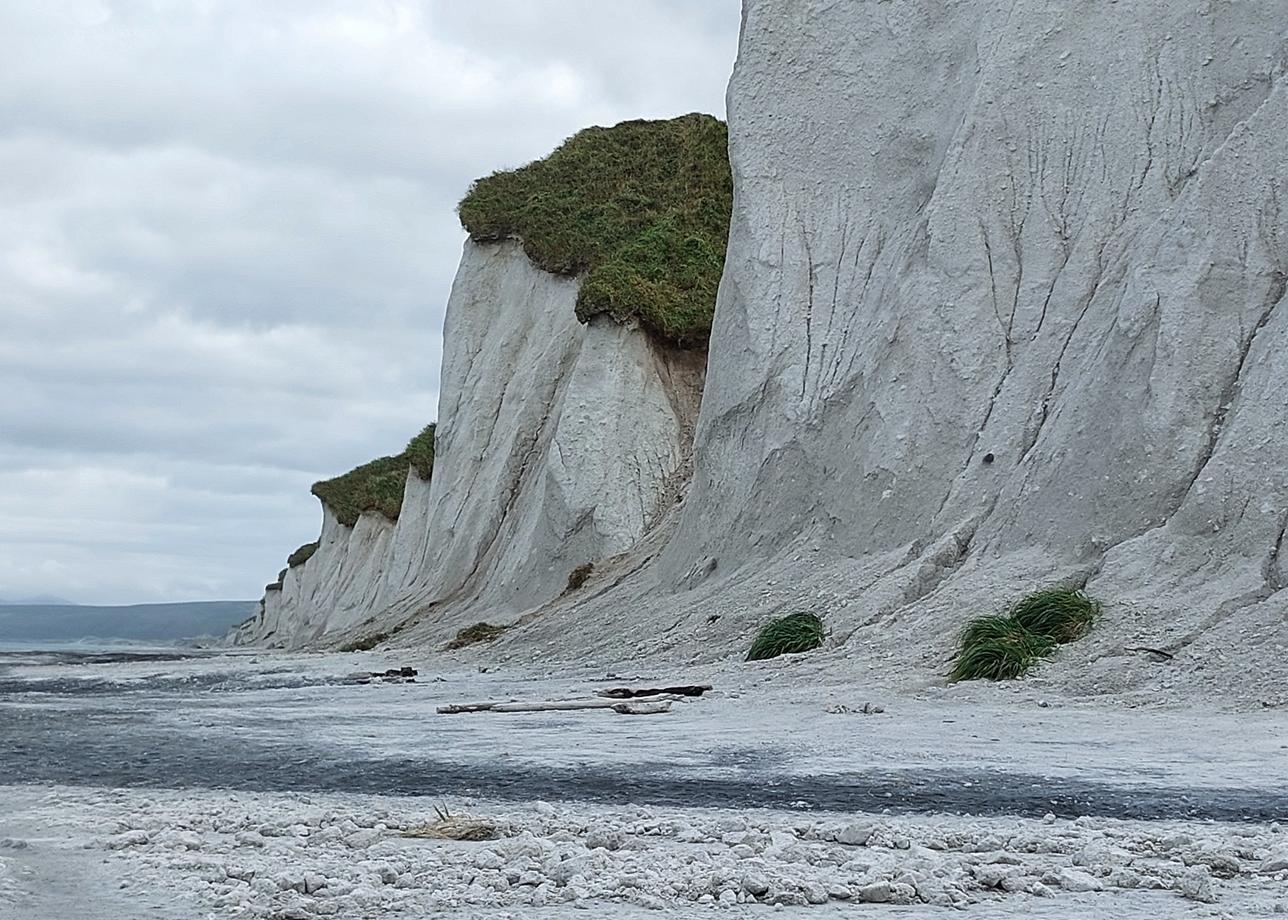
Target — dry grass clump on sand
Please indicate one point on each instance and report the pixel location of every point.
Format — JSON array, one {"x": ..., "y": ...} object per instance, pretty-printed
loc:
[
  {"x": 478, "y": 633},
  {"x": 456, "y": 827}
]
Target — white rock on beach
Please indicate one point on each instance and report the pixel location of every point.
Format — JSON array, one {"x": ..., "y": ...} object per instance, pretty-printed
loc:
[
  {"x": 1196, "y": 885},
  {"x": 1275, "y": 862},
  {"x": 1076, "y": 880},
  {"x": 855, "y": 834}
]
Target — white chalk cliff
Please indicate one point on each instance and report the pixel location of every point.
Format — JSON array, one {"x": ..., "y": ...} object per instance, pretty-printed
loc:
[
  {"x": 1003, "y": 305},
  {"x": 558, "y": 444}
]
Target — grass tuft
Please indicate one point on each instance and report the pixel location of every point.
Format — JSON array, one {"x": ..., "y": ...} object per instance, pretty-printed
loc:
[
  {"x": 301, "y": 555},
  {"x": 1006, "y": 647},
  {"x": 797, "y": 632},
  {"x": 1000, "y": 650},
  {"x": 1064, "y": 614},
  {"x": 641, "y": 209},
  {"x": 378, "y": 486},
  {"x": 473, "y": 635}
]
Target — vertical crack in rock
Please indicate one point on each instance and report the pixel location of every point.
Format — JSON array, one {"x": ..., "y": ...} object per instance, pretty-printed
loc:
[
  {"x": 859, "y": 311},
  {"x": 1230, "y": 392},
  {"x": 1273, "y": 570},
  {"x": 809, "y": 309},
  {"x": 1044, "y": 405}
]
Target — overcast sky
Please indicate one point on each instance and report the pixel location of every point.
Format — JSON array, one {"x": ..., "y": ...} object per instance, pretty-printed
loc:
[{"x": 227, "y": 235}]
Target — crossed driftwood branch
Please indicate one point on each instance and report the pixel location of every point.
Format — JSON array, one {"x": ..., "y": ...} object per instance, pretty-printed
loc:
[{"x": 622, "y": 700}]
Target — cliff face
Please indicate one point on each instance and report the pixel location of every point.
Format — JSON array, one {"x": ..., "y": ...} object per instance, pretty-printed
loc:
[
  {"x": 348, "y": 577},
  {"x": 1002, "y": 306},
  {"x": 557, "y": 444},
  {"x": 1021, "y": 285}
]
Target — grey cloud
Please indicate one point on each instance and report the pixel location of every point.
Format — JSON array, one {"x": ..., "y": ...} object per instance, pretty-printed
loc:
[{"x": 227, "y": 234}]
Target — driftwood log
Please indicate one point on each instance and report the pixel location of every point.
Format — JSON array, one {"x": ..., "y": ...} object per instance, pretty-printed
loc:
[
  {"x": 542, "y": 705},
  {"x": 452, "y": 708},
  {"x": 630, "y": 693}
]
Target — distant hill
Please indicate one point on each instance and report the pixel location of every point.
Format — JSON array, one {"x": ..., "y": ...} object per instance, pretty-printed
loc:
[
  {"x": 43, "y": 600},
  {"x": 138, "y": 622}
]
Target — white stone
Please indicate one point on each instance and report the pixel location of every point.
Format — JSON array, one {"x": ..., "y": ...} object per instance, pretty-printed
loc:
[
  {"x": 815, "y": 893},
  {"x": 605, "y": 838},
  {"x": 1275, "y": 862},
  {"x": 1077, "y": 880},
  {"x": 877, "y": 893},
  {"x": 854, "y": 835},
  {"x": 1196, "y": 884},
  {"x": 360, "y": 840},
  {"x": 132, "y": 838}
]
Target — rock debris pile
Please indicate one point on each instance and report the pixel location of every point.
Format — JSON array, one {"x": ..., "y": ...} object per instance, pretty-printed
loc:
[{"x": 296, "y": 858}]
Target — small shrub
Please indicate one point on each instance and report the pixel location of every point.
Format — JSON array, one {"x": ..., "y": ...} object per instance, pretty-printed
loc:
[
  {"x": 578, "y": 576},
  {"x": 473, "y": 635},
  {"x": 1006, "y": 647},
  {"x": 797, "y": 632},
  {"x": 365, "y": 643},
  {"x": 301, "y": 555},
  {"x": 998, "y": 648},
  {"x": 1064, "y": 614}
]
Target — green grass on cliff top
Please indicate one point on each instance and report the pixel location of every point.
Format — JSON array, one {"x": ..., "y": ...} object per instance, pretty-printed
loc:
[
  {"x": 301, "y": 555},
  {"x": 378, "y": 486},
  {"x": 641, "y": 209}
]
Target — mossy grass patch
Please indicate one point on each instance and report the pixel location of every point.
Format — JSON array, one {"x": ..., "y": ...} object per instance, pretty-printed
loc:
[
  {"x": 796, "y": 632},
  {"x": 378, "y": 486},
  {"x": 375, "y": 486},
  {"x": 302, "y": 555},
  {"x": 640, "y": 209},
  {"x": 1007, "y": 646},
  {"x": 420, "y": 452}
]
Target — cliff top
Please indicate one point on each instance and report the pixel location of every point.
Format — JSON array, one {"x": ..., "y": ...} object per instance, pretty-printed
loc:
[
  {"x": 378, "y": 485},
  {"x": 641, "y": 209}
]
